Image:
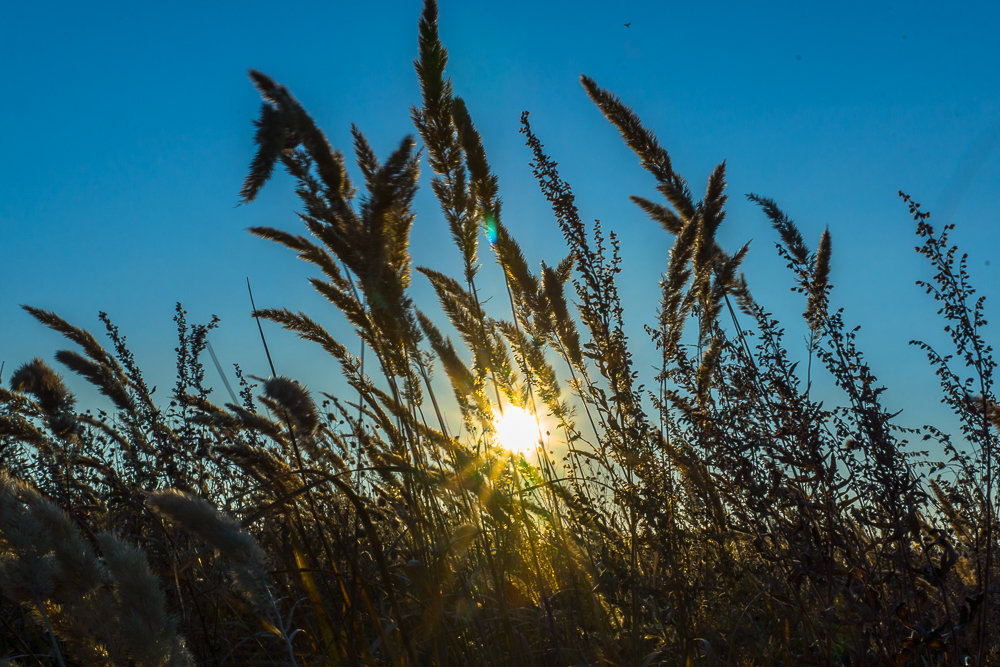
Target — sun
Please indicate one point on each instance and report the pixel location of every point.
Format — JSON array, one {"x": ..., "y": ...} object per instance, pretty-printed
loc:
[{"x": 516, "y": 430}]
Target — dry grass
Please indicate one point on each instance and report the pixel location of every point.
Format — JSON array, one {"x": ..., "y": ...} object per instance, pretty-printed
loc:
[{"x": 724, "y": 517}]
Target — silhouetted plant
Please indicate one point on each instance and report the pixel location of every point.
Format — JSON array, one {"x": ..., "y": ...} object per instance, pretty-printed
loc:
[{"x": 714, "y": 513}]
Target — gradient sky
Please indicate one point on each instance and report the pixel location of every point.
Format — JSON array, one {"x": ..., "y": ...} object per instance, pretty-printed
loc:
[{"x": 126, "y": 133}]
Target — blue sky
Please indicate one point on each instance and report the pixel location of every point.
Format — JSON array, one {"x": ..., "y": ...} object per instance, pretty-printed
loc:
[{"x": 127, "y": 132}]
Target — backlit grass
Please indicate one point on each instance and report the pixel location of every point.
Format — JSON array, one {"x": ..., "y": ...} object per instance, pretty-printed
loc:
[{"x": 713, "y": 512}]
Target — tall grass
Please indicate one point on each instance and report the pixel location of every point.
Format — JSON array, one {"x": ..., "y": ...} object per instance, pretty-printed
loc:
[{"x": 717, "y": 514}]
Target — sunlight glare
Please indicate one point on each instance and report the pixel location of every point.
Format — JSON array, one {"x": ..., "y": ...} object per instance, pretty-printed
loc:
[{"x": 516, "y": 430}]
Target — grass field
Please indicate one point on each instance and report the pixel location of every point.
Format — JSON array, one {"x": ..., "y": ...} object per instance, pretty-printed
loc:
[{"x": 716, "y": 513}]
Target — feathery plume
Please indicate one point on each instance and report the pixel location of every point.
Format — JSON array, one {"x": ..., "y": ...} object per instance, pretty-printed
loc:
[
  {"x": 653, "y": 156},
  {"x": 818, "y": 286},
  {"x": 295, "y": 400},
  {"x": 38, "y": 379},
  {"x": 786, "y": 228},
  {"x": 220, "y": 532},
  {"x": 145, "y": 634}
]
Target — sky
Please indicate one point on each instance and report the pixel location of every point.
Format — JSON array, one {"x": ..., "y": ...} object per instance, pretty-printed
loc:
[{"x": 127, "y": 131}]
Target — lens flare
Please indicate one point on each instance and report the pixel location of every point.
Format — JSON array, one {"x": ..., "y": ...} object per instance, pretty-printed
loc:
[{"x": 491, "y": 228}]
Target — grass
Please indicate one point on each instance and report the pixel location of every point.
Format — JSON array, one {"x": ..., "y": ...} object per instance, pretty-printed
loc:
[{"x": 719, "y": 515}]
